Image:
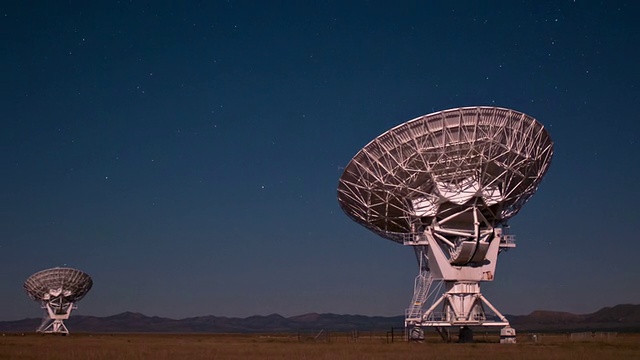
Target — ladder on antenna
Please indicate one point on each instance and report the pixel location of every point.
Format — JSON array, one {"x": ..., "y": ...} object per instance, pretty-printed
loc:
[{"x": 420, "y": 295}]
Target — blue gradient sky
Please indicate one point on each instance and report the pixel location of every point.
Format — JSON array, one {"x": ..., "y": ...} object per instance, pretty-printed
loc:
[{"x": 187, "y": 156}]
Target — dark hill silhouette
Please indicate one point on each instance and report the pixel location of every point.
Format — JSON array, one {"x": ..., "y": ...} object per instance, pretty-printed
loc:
[
  {"x": 624, "y": 317},
  {"x": 618, "y": 318}
]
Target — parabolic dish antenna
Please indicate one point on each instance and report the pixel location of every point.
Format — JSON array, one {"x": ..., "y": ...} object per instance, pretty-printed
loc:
[
  {"x": 57, "y": 289},
  {"x": 446, "y": 183}
]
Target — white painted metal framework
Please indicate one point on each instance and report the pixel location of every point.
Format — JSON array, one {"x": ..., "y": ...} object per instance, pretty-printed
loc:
[
  {"x": 446, "y": 183},
  {"x": 57, "y": 289}
]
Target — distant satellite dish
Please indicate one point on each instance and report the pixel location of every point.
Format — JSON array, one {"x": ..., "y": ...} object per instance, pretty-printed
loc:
[
  {"x": 446, "y": 183},
  {"x": 57, "y": 289}
]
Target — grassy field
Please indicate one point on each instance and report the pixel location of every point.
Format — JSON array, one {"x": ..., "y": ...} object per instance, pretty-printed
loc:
[{"x": 334, "y": 347}]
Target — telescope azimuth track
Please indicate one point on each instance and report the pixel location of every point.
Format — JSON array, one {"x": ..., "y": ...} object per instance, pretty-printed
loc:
[{"x": 446, "y": 183}]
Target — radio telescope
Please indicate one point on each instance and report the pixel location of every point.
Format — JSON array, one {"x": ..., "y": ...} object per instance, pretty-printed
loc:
[
  {"x": 446, "y": 183},
  {"x": 57, "y": 289}
]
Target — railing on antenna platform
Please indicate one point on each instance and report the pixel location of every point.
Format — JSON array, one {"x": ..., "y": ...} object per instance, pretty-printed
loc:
[
  {"x": 420, "y": 296},
  {"x": 508, "y": 241}
]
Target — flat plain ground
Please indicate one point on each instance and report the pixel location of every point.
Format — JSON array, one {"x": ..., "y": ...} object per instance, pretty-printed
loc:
[{"x": 292, "y": 346}]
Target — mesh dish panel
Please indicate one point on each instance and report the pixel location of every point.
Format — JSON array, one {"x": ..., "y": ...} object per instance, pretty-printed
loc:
[
  {"x": 441, "y": 163},
  {"x": 73, "y": 284}
]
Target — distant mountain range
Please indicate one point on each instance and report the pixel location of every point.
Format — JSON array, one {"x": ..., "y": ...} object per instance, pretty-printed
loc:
[
  {"x": 625, "y": 317},
  {"x": 618, "y": 318}
]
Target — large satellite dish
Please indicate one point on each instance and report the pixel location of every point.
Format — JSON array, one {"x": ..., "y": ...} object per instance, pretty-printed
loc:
[
  {"x": 446, "y": 183},
  {"x": 57, "y": 289}
]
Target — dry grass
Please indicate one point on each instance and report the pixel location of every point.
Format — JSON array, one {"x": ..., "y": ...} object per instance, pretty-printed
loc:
[{"x": 369, "y": 346}]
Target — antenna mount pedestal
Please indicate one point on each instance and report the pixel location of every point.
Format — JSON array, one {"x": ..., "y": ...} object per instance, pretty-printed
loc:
[
  {"x": 461, "y": 303},
  {"x": 55, "y": 314}
]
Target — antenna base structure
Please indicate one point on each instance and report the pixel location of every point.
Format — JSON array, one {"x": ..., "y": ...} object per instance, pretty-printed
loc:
[
  {"x": 57, "y": 309},
  {"x": 452, "y": 264}
]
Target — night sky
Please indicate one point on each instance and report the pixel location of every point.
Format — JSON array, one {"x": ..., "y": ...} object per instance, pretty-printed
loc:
[{"x": 187, "y": 155}]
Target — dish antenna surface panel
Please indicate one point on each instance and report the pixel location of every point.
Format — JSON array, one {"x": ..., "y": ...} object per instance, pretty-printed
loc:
[
  {"x": 435, "y": 165},
  {"x": 57, "y": 289},
  {"x": 446, "y": 183}
]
